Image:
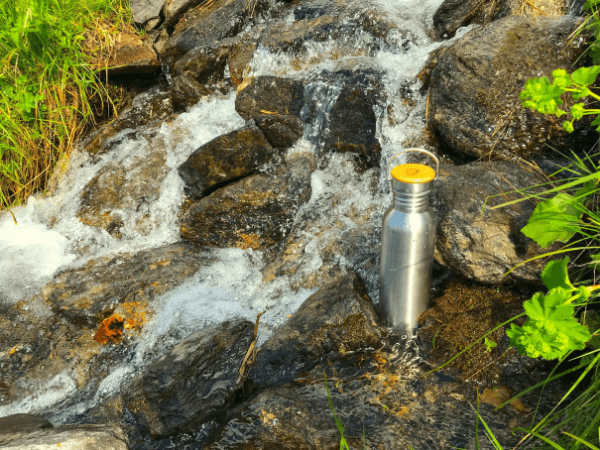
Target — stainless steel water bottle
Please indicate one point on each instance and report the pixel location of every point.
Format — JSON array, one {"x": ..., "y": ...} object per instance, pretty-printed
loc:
[{"x": 407, "y": 243}]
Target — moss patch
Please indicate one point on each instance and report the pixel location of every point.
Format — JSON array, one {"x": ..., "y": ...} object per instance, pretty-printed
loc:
[{"x": 464, "y": 313}]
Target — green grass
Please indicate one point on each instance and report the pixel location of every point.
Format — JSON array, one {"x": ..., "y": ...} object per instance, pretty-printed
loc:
[{"x": 47, "y": 83}]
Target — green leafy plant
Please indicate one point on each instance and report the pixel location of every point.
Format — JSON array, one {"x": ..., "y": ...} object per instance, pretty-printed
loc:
[
  {"x": 489, "y": 345},
  {"x": 540, "y": 95},
  {"x": 551, "y": 330}
]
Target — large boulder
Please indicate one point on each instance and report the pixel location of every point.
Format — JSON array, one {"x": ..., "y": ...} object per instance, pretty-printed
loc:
[
  {"x": 474, "y": 89},
  {"x": 453, "y": 14},
  {"x": 225, "y": 159},
  {"x": 339, "y": 317},
  {"x": 193, "y": 382},
  {"x": 91, "y": 293},
  {"x": 255, "y": 212},
  {"x": 483, "y": 246}
]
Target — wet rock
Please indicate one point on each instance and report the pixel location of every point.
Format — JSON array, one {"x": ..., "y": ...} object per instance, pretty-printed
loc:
[
  {"x": 175, "y": 9},
  {"x": 353, "y": 124},
  {"x": 203, "y": 26},
  {"x": 255, "y": 212},
  {"x": 474, "y": 102},
  {"x": 269, "y": 95},
  {"x": 116, "y": 186},
  {"x": 388, "y": 403},
  {"x": 84, "y": 437},
  {"x": 484, "y": 247},
  {"x": 143, "y": 11},
  {"x": 89, "y": 294},
  {"x": 195, "y": 381},
  {"x": 240, "y": 54},
  {"x": 205, "y": 64},
  {"x": 186, "y": 92},
  {"x": 225, "y": 159},
  {"x": 150, "y": 107},
  {"x": 132, "y": 54},
  {"x": 282, "y": 131},
  {"x": 453, "y": 14},
  {"x": 338, "y": 318}
]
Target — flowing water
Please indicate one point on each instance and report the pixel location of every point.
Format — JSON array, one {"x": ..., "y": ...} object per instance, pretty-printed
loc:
[{"x": 50, "y": 237}]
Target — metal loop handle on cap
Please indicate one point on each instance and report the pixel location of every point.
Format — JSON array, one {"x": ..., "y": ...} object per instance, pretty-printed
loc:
[{"x": 437, "y": 161}]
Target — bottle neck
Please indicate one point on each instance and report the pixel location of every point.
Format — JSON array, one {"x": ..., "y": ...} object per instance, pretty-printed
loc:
[{"x": 411, "y": 202}]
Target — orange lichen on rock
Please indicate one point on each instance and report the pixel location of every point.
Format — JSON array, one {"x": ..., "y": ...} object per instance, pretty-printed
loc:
[
  {"x": 135, "y": 313},
  {"x": 110, "y": 330}
]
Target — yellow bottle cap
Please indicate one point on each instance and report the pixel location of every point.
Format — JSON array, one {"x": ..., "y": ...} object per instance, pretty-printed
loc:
[{"x": 413, "y": 173}]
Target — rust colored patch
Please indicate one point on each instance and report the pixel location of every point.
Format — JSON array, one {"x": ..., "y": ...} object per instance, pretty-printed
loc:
[
  {"x": 135, "y": 313},
  {"x": 110, "y": 330},
  {"x": 249, "y": 241}
]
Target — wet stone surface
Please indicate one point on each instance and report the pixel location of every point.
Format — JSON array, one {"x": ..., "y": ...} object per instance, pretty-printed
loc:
[
  {"x": 89, "y": 294},
  {"x": 224, "y": 160},
  {"x": 474, "y": 102},
  {"x": 256, "y": 212},
  {"x": 338, "y": 318},
  {"x": 192, "y": 383},
  {"x": 484, "y": 247}
]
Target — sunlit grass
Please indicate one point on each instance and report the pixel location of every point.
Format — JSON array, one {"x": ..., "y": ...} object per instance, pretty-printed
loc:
[{"x": 49, "y": 50}]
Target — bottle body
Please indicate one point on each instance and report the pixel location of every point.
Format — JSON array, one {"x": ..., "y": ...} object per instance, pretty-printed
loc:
[{"x": 408, "y": 239}]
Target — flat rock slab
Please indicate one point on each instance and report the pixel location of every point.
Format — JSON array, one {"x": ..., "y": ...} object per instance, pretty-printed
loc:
[
  {"x": 69, "y": 437},
  {"x": 255, "y": 212},
  {"x": 192, "y": 383},
  {"x": 474, "y": 89},
  {"x": 91, "y": 293},
  {"x": 131, "y": 54},
  {"x": 339, "y": 317},
  {"x": 485, "y": 247}
]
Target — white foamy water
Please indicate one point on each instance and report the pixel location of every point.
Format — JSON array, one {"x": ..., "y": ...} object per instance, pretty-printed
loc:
[{"x": 50, "y": 237}]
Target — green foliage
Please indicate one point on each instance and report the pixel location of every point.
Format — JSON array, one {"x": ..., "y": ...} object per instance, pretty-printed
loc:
[
  {"x": 46, "y": 83},
  {"x": 551, "y": 330},
  {"x": 540, "y": 95},
  {"x": 554, "y": 219},
  {"x": 489, "y": 345}
]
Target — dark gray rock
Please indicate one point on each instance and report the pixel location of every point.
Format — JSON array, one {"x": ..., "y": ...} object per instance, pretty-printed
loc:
[
  {"x": 203, "y": 27},
  {"x": 353, "y": 124},
  {"x": 205, "y": 64},
  {"x": 186, "y": 92},
  {"x": 282, "y": 131},
  {"x": 270, "y": 95},
  {"x": 453, "y": 14},
  {"x": 338, "y": 318},
  {"x": 484, "y": 247},
  {"x": 255, "y": 212},
  {"x": 225, "y": 159},
  {"x": 175, "y": 9},
  {"x": 195, "y": 381},
  {"x": 474, "y": 90}
]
